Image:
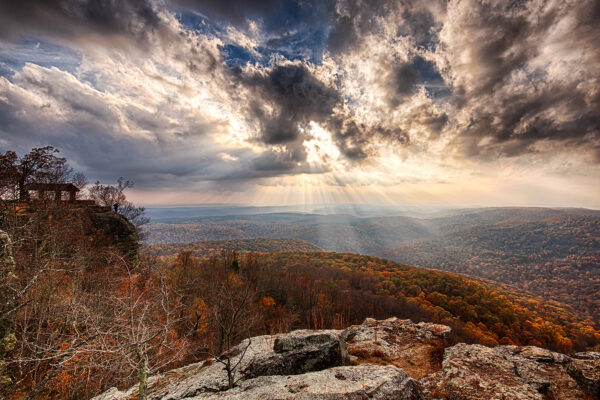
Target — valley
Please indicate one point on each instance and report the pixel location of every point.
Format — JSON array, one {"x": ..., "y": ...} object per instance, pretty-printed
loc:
[{"x": 550, "y": 253}]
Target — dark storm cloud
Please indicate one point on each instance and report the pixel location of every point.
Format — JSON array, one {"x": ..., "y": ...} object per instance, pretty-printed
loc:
[
  {"x": 404, "y": 78},
  {"x": 520, "y": 121},
  {"x": 352, "y": 20},
  {"x": 235, "y": 11},
  {"x": 401, "y": 82},
  {"x": 354, "y": 139},
  {"x": 516, "y": 101},
  {"x": 500, "y": 41},
  {"x": 285, "y": 98},
  {"x": 76, "y": 20}
]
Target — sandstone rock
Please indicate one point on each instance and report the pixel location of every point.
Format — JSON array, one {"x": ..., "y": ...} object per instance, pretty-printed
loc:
[
  {"x": 587, "y": 355},
  {"x": 473, "y": 372},
  {"x": 299, "y": 352},
  {"x": 112, "y": 229},
  {"x": 360, "y": 382},
  {"x": 587, "y": 374},
  {"x": 416, "y": 348},
  {"x": 308, "y": 365},
  {"x": 205, "y": 377}
]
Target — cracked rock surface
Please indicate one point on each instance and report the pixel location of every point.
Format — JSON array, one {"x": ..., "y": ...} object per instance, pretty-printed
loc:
[
  {"x": 416, "y": 348},
  {"x": 502, "y": 372}
]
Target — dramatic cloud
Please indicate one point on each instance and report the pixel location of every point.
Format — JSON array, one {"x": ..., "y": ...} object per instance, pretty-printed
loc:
[
  {"x": 286, "y": 97},
  {"x": 81, "y": 20},
  {"x": 523, "y": 74},
  {"x": 235, "y": 11},
  {"x": 187, "y": 93}
]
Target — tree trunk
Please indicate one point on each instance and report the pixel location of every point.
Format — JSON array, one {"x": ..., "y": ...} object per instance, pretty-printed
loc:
[
  {"x": 23, "y": 194},
  {"x": 143, "y": 374}
]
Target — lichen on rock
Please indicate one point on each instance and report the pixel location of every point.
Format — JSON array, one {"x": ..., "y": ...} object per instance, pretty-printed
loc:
[{"x": 473, "y": 372}]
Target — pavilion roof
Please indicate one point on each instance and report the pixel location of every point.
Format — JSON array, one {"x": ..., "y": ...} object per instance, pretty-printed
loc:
[{"x": 52, "y": 187}]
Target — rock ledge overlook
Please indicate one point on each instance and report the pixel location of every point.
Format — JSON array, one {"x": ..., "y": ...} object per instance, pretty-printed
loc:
[{"x": 388, "y": 359}]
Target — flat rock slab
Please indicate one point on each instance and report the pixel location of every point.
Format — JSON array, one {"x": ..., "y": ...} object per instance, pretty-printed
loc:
[
  {"x": 474, "y": 372},
  {"x": 416, "y": 348},
  {"x": 359, "y": 382}
]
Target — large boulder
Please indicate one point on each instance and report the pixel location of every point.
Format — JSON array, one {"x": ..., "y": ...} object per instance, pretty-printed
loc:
[
  {"x": 300, "y": 352},
  {"x": 473, "y": 372},
  {"x": 416, "y": 348}
]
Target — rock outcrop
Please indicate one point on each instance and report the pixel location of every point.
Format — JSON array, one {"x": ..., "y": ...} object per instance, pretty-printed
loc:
[
  {"x": 113, "y": 230},
  {"x": 104, "y": 228},
  {"x": 416, "y": 348},
  {"x": 389, "y": 359},
  {"x": 473, "y": 372},
  {"x": 299, "y": 352}
]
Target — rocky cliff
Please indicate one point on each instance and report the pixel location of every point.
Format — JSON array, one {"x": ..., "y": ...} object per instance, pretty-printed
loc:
[
  {"x": 389, "y": 359},
  {"x": 112, "y": 230},
  {"x": 102, "y": 227}
]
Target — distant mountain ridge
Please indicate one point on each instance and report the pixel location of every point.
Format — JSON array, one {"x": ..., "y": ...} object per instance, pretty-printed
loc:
[{"x": 341, "y": 232}]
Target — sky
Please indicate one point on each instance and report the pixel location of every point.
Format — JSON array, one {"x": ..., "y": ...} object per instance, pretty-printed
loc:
[{"x": 454, "y": 102}]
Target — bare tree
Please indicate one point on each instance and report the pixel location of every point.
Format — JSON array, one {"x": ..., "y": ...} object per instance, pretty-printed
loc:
[
  {"x": 233, "y": 316},
  {"x": 39, "y": 306},
  {"x": 107, "y": 195},
  {"x": 135, "y": 329},
  {"x": 7, "y": 309}
]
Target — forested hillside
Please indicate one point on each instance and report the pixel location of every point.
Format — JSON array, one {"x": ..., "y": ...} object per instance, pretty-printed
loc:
[
  {"x": 343, "y": 232},
  {"x": 211, "y": 247},
  {"x": 553, "y": 253},
  {"x": 556, "y": 258},
  {"x": 350, "y": 286}
]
